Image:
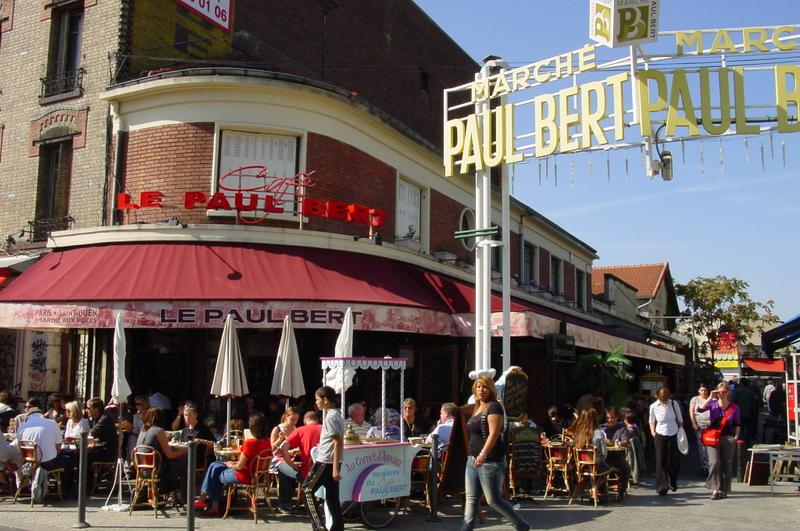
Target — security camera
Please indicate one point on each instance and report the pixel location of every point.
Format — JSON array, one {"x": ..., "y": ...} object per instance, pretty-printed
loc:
[{"x": 666, "y": 166}]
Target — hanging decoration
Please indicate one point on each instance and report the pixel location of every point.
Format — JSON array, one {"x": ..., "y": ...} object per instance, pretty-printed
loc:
[
  {"x": 783, "y": 150},
  {"x": 763, "y": 164},
  {"x": 590, "y": 172},
  {"x": 683, "y": 152},
  {"x": 555, "y": 172},
  {"x": 627, "y": 176},
  {"x": 572, "y": 173},
  {"x": 747, "y": 149},
  {"x": 772, "y": 145},
  {"x": 608, "y": 165},
  {"x": 721, "y": 158},
  {"x": 702, "y": 160},
  {"x": 539, "y": 163}
]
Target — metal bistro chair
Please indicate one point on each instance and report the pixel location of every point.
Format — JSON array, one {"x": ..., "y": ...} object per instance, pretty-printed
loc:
[
  {"x": 259, "y": 481},
  {"x": 588, "y": 469},
  {"x": 146, "y": 463},
  {"x": 559, "y": 466}
]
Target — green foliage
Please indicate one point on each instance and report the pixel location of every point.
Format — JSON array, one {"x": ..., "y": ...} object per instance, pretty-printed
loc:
[
  {"x": 723, "y": 304},
  {"x": 603, "y": 373}
]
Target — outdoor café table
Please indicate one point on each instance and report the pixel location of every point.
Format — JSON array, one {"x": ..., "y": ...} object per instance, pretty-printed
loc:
[
  {"x": 227, "y": 454},
  {"x": 784, "y": 466}
]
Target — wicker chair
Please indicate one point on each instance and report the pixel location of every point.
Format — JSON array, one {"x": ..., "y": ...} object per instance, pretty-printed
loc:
[
  {"x": 31, "y": 463},
  {"x": 259, "y": 481},
  {"x": 147, "y": 464},
  {"x": 559, "y": 467},
  {"x": 588, "y": 469}
]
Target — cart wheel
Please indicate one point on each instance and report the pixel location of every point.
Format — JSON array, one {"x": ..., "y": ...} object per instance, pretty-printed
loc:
[
  {"x": 380, "y": 513},
  {"x": 350, "y": 511}
]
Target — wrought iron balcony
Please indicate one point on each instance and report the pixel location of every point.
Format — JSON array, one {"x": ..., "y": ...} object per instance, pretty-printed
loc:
[
  {"x": 40, "y": 229},
  {"x": 68, "y": 84}
]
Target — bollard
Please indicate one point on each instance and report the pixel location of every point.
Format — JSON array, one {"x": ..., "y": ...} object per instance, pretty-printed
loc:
[
  {"x": 82, "y": 465},
  {"x": 738, "y": 453},
  {"x": 190, "y": 466},
  {"x": 433, "y": 480}
]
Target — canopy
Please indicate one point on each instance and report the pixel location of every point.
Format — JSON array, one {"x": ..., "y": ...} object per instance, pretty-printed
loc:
[
  {"x": 229, "y": 376},
  {"x": 761, "y": 365},
  {"x": 781, "y": 336},
  {"x": 120, "y": 388}
]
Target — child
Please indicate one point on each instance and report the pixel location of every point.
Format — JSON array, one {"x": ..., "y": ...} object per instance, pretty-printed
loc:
[{"x": 325, "y": 472}]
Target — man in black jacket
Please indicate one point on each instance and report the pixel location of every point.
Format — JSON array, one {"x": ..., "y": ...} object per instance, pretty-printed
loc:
[{"x": 104, "y": 431}]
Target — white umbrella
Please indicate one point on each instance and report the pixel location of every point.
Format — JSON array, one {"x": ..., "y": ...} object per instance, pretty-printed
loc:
[
  {"x": 343, "y": 349},
  {"x": 119, "y": 391},
  {"x": 287, "y": 381},
  {"x": 229, "y": 377}
]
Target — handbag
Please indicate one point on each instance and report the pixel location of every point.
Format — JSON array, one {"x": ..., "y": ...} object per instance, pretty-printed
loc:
[
  {"x": 682, "y": 440},
  {"x": 711, "y": 436}
]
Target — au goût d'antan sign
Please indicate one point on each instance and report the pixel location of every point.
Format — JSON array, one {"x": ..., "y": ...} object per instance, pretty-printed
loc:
[
  {"x": 698, "y": 87},
  {"x": 263, "y": 195}
]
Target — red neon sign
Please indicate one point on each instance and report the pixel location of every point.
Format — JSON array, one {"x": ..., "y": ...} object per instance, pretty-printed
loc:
[{"x": 261, "y": 192}]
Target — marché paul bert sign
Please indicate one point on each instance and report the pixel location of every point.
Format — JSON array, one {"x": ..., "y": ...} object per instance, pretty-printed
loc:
[{"x": 697, "y": 98}]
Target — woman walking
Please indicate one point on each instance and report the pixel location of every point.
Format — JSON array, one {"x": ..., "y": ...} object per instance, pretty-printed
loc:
[
  {"x": 700, "y": 421},
  {"x": 665, "y": 419},
  {"x": 486, "y": 464},
  {"x": 723, "y": 416}
]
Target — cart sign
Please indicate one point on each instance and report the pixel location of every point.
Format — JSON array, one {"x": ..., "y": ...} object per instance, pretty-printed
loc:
[
  {"x": 218, "y": 12},
  {"x": 376, "y": 472},
  {"x": 616, "y": 23}
]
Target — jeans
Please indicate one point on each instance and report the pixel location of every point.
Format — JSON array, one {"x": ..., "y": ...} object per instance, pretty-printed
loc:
[
  {"x": 287, "y": 478},
  {"x": 488, "y": 478},
  {"x": 217, "y": 475},
  {"x": 702, "y": 452}
]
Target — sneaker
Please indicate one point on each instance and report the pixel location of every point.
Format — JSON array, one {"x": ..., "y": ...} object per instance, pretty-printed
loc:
[
  {"x": 286, "y": 509},
  {"x": 716, "y": 495},
  {"x": 200, "y": 505}
]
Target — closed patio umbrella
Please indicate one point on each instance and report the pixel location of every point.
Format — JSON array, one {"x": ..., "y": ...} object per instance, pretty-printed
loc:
[
  {"x": 287, "y": 381},
  {"x": 343, "y": 349},
  {"x": 120, "y": 390},
  {"x": 229, "y": 376}
]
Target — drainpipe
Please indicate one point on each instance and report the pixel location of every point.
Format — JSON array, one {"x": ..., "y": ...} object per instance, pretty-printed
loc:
[
  {"x": 118, "y": 134},
  {"x": 643, "y": 305}
]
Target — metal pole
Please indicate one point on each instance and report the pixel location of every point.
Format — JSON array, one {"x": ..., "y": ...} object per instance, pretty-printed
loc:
[
  {"x": 383, "y": 403},
  {"x": 433, "y": 480},
  {"x": 190, "y": 471},
  {"x": 82, "y": 464}
]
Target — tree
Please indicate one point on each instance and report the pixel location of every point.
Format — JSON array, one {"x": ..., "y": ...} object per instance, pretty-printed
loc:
[
  {"x": 722, "y": 304},
  {"x": 605, "y": 374}
]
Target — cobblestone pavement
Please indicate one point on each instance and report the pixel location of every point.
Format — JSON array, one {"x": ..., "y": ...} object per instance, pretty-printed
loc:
[{"x": 747, "y": 508}]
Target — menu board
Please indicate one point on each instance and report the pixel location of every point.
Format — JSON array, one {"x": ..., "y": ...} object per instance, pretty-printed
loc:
[
  {"x": 515, "y": 394},
  {"x": 526, "y": 451}
]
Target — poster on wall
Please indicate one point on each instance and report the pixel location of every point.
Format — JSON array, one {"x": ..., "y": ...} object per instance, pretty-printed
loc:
[{"x": 218, "y": 12}]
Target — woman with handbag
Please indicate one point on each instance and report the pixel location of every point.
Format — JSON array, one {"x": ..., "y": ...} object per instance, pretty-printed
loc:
[
  {"x": 665, "y": 420},
  {"x": 720, "y": 439}
]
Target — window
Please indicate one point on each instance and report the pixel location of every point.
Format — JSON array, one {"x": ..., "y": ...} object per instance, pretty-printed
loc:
[
  {"x": 580, "y": 289},
  {"x": 52, "y": 191},
  {"x": 258, "y": 163},
  {"x": 409, "y": 210},
  {"x": 64, "y": 74},
  {"x": 555, "y": 276},
  {"x": 467, "y": 223},
  {"x": 529, "y": 264}
]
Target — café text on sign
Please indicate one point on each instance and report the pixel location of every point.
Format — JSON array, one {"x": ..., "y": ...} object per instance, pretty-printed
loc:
[{"x": 218, "y": 12}]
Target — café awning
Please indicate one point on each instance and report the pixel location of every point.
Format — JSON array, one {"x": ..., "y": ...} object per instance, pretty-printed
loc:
[
  {"x": 764, "y": 365},
  {"x": 781, "y": 336}
]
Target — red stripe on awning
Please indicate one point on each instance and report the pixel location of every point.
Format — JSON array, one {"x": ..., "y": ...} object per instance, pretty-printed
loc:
[
  {"x": 181, "y": 271},
  {"x": 764, "y": 365},
  {"x": 460, "y": 296},
  {"x": 5, "y": 272}
]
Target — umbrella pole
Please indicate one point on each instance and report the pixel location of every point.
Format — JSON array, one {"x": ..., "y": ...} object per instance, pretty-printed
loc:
[{"x": 228, "y": 424}]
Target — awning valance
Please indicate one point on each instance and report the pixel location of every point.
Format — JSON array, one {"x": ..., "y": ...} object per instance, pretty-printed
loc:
[
  {"x": 781, "y": 336},
  {"x": 764, "y": 365}
]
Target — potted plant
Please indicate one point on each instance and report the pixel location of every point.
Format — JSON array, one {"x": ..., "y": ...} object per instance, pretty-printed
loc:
[{"x": 409, "y": 240}]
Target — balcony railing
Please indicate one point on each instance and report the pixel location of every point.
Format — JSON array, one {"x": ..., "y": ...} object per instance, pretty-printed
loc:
[
  {"x": 40, "y": 229},
  {"x": 68, "y": 84}
]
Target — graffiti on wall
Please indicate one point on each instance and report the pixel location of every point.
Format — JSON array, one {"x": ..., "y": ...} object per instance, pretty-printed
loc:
[
  {"x": 38, "y": 366},
  {"x": 82, "y": 365},
  {"x": 8, "y": 359}
]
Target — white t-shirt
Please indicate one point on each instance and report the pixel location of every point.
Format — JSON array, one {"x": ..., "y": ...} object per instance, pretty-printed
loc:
[
  {"x": 703, "y": 418},
  {"x": 74, "y": 429},
  {"x": 443, "y": 430},
  {"x": 44, "y": 432},
  {"x": 332, "y": 426},
  {"x": 666, "y": 417}
]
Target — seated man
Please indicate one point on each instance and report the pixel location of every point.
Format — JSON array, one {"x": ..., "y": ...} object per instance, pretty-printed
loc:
[
  {"x": 103, "y": 430},
  {"x": 46, "y": 433},
  {"x": 444, "y": 427},
  {"x": 612, "y": 429},
  {"x": 356, "y": 421},
  {"x": 305, "y": 438}
]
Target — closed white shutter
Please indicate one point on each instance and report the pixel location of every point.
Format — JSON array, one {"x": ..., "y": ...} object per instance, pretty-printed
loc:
[
  {"x": 240, "y": 150},
  {"x": 409, "y": 202}
]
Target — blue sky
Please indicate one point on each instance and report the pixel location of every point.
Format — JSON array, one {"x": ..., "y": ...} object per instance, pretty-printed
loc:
[{"x": 725, "y": 216}]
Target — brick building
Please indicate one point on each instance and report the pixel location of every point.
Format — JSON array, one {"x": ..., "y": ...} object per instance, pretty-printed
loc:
[{"x": 251, "y": 165}]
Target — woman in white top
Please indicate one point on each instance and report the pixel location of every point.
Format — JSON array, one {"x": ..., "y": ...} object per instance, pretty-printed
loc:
[
  {"x": 665, "y": 419},
  {"x": 76, "y": 424}
]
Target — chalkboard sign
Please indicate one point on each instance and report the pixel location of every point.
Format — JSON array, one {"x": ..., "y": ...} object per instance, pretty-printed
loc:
[
  {"x": 515, "y": 394},
  {"x": 437, "y": 374},
  {"x": 526, "y": 452}
]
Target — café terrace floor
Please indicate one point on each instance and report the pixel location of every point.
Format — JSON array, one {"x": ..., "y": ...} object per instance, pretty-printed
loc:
[{"x": 690, "y": 507}]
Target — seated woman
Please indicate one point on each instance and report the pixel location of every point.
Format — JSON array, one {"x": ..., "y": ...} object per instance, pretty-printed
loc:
[
  {"x": 279, "y": 434},
  {"x": 153, "y": 435},
  {"x": 76, "y": 424},
  {"x": 391, "y": 421},
  {"x": 586, "y": 434},
  {"x": 221, "y": 473}
]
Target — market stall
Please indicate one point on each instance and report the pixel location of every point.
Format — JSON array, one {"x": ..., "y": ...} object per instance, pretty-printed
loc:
[{"x": 373, "y": 471}]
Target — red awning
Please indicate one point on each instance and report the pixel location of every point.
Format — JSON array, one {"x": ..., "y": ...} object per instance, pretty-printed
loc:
[
  {"x": 183, "y": 271},
  {"x": 460, "y": 296},
  {"x": 5, "y": 272},
  {"x": 764, "y": 365}
]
